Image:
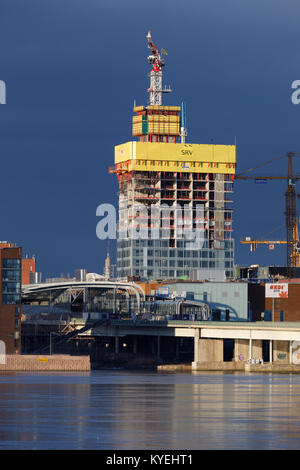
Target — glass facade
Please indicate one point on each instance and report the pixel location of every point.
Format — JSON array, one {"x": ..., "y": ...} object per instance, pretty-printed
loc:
[
  {"x": 11, "y": 281},
  {"x": 173, "y": 262}
]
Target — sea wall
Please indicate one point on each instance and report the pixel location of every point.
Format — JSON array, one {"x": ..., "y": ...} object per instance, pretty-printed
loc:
[
  {"x": 275, "y": 367},
  {"x": 55, "y": 362}
]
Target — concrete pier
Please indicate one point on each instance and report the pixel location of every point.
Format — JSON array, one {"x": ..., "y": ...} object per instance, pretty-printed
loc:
[
  {"x": 245, "y": 349},
  {"x": 205, "y": 345}
]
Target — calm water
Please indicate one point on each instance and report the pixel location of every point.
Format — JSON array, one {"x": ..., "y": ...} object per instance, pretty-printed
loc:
[{"x": 138, "y": 410}]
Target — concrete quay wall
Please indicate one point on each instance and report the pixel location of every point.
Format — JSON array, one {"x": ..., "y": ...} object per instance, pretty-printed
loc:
[
  {"x": 245, "y": 367},
  {"x": 174, "y": 367},
  {"x": 273, "y": 367},
  {"x": 56, "y": 362},
  {"x": 218, "y": 366}
]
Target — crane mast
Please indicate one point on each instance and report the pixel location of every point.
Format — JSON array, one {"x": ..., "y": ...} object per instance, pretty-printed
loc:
[
  {"x": 292, "y": 235},
  {"x": 291, "y": 220}
]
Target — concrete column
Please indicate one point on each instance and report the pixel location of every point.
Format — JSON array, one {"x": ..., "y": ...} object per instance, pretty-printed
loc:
[
  {"x": 281, "y": 351},
  {"x": 208, "y": 350},
  {"x": 196, "y": 344},
  {"x": 245, "y": 349},
  {"x": 241, "y": 350},
  {"x": 294, "y": 352},
  {"x": 257, "y": 352}
]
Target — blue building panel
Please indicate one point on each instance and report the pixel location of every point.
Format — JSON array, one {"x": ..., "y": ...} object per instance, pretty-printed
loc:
[{"x": 220, "y": 296}]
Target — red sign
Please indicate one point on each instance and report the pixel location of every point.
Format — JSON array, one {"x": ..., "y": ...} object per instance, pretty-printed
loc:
[{"x": 276, "y": 290}]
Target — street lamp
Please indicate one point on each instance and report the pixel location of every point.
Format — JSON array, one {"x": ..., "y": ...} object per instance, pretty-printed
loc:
[{"x": 52, "y": 333}]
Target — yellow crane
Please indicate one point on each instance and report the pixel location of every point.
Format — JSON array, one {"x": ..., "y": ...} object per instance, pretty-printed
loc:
[{"x": 291, "y": 221}]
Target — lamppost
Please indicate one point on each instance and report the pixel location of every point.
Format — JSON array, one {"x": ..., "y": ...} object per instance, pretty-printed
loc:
[{"x": 52, "y": 333}]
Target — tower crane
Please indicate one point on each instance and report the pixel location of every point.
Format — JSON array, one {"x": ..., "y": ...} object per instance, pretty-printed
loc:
[
  {"x": 155, "y": 59},
  {"x": 291, "y": 221}
]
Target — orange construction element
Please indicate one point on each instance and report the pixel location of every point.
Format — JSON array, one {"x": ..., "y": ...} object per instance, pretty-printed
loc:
[{"x": 28, "y": 266}]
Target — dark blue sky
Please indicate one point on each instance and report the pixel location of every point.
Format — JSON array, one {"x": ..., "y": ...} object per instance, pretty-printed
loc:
[{"x": 72, "y": 70}]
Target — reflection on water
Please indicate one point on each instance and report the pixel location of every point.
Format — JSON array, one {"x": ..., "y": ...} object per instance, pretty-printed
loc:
[{"x": 138, "y": 410}]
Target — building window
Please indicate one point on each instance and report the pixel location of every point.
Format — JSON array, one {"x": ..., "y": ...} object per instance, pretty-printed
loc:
[
  {"x": 11, "y": 263},
  {"x": 11, "y": 275},
  {"x": 11, "y": 299},
  {"x": 11, "y": 285},
  {"x": 228, "y": 264}
]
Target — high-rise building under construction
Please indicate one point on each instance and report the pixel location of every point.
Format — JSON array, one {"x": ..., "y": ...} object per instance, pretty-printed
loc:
[{"x": 175, "y": 198}]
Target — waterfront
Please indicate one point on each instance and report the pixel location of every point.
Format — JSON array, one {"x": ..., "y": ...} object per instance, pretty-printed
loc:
[{"x": 149, "y": 410}]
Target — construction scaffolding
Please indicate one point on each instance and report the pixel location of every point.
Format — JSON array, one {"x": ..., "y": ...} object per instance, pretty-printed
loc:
[{"x": 169, "y": 190}]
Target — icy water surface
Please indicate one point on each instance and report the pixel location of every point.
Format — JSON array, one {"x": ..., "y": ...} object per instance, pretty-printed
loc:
[{"x": 149, "y": 410}]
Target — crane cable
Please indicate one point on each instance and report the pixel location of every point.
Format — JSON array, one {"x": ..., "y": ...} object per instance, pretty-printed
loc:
[
  {"x": 269, "y": 233},
  {"x": 259, "y": 166}
]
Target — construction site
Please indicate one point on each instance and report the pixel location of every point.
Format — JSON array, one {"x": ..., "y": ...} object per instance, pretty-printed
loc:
[
  {"x": 172, "y": 193},
  {"x": 175, "y": 267}
]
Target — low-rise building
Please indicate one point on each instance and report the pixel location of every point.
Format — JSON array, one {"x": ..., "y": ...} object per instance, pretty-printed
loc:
[{"x": 10, "y": 297}]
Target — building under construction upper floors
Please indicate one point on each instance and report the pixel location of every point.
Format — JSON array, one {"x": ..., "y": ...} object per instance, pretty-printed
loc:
[{"x": 175, "y": 198}]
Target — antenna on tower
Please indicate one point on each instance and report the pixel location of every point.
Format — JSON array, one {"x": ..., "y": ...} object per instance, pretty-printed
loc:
[
  {"x": 107, "y": 267},
  {"x": 183, "y": 131}
]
